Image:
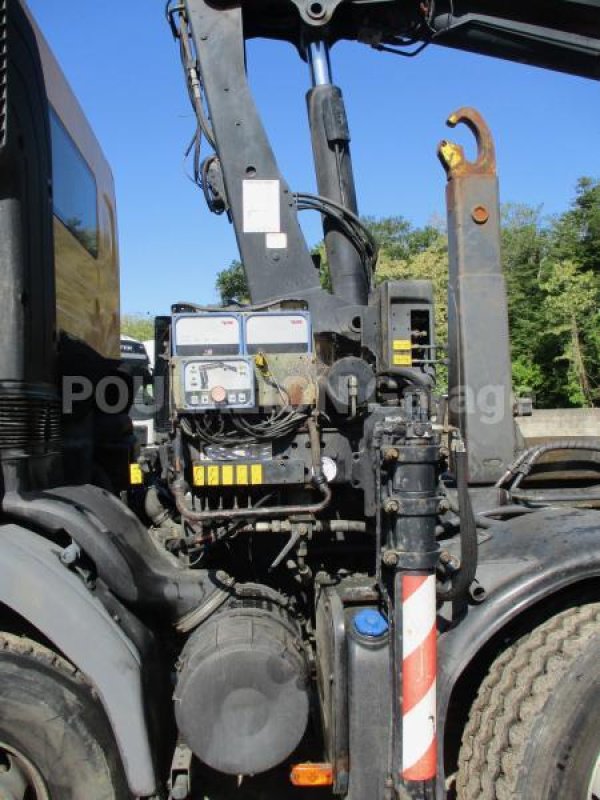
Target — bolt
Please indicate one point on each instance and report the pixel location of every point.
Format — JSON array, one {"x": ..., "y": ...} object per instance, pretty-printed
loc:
[
  {"x": 391, "y": 506},
  {"x": 480, "y": 215},
  {"x": 450, "y": 561},
  {"x": 390, "y": 558},
  {"x": 391, "y": 454}
]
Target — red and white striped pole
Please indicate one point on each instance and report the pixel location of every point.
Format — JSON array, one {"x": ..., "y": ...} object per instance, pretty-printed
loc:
[
  {"x": 410, "y": 506},
  {"x": 418, "y": 678}
]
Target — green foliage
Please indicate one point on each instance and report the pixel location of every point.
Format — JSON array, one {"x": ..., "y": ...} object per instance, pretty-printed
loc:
[
  {"x": 138, "y": 326},
  {"x": 552, "y": 271},
  {"x": 232, "y": 285}
]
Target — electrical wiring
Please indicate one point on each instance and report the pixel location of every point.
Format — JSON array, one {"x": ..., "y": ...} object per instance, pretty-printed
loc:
[
  {"x": 195, "y": 91},
  {"x": 362, "y": 239},
  {"x": 424, "y": 34},
  {"x": 194, "y": 82},
  {"x": 217, "y": 430}
]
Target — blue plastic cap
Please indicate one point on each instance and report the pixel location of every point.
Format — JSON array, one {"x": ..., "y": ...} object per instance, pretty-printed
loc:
[{"x": 370, "y": 622}]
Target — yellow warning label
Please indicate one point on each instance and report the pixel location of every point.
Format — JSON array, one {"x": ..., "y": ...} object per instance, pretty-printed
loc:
[
  {"x": 241, "y": 475},
  {"x": 402, "y": 360},
  {"x": 136, "y": 477},
  {"x": 402, "y": 344},
  {"x": 256, "y": 474},
  {"x": 227, "y": 475},
  {"x": 213, "y": 476}
]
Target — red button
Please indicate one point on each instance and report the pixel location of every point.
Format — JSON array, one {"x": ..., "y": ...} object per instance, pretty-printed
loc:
[{"x": 218, "y": 394}]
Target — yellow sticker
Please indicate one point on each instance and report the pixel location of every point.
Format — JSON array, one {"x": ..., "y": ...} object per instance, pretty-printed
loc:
[
  {"x": 402, "y": 344},
  {"x": 136, "y": 477},
  {"x": 403, "y": 360},
  {"x": 213, "y": 476},
  {"x": 227, "y": 475},
  {"x": 199, "y": 476},
  {"x": 241, "y": 475},
  {"x": 256, "y": 474}
]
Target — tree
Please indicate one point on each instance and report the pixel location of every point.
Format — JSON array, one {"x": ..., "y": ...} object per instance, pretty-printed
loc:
[
  {"x": 571, "y": 301},
  {"x": 524, "y": 244},
  {"x": 576, "y": 234},
  {"x": 232, "y": 285},
  {"x": 138, "y": 326}
]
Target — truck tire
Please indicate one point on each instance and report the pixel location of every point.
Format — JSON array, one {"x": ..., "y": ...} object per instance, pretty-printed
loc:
[
  {"x": 533, "y": 730},
  {"x": 55, "y": 741}
]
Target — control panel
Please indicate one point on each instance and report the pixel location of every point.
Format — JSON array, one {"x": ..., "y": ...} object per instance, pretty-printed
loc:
[{"x": 241, "y": 360}]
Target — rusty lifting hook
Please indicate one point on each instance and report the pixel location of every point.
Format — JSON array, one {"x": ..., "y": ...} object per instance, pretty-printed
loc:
[{"x": 452, "y": 155}]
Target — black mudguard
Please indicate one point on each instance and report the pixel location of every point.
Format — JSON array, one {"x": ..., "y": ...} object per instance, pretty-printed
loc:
[
  {"x": 523, "y": 563},
  {"x": 35, "y": 584}
]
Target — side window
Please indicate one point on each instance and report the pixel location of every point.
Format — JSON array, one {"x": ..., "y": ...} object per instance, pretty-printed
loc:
[{"x": 75, "y": 193}]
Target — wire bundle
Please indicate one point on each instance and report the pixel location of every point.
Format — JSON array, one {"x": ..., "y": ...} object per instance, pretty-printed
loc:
[
  {"x": 362, "y": 239},
  {"x": 217, "y": 429}
]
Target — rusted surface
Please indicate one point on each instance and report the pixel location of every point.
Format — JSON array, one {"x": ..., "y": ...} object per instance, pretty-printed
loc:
[
  {"x": 480, "y": 214},
  {"x": 289, "y": 379},
  {"x": 452, "y": 155}
]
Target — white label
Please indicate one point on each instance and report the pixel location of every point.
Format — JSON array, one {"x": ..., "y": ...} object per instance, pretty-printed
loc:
[
  {"x": 276, "y": 241},
  {"x": 265, "y": 329},
  {"x": 200, "y": 330},
  {"x": 261, "y": 200}
]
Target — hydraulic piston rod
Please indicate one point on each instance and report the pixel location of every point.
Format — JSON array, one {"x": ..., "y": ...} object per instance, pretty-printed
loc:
[
  {"x": 320, "y": 64},
  {"x": 335, "y": 179}
]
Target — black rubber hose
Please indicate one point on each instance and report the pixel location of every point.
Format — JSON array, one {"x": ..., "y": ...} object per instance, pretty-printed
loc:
[
  {"x": 464, "y": 577},
  {"x": 411, "y": 375},
  {"x": 576, "y": 495},
  {"x": 522, "y": 465}
]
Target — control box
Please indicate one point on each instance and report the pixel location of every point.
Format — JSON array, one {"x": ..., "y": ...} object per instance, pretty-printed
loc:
[
  {"x": 226, "y": 360},
  {"x": 216, "y": 383}
]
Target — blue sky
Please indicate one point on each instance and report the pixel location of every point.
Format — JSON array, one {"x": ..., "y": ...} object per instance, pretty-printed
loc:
[{"x": 123, "y": 66}]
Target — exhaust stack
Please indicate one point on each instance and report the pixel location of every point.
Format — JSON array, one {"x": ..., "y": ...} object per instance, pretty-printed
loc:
[{"x": 29, "y": 401}]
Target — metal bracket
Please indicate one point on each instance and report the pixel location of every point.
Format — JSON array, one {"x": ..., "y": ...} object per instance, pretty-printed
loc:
[
  {"x": 317, "y": 12},
  {"x": 180, "y": 782}
]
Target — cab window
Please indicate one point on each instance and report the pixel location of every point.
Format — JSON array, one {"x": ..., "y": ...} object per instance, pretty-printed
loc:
[{"x": 74, "y": 185}]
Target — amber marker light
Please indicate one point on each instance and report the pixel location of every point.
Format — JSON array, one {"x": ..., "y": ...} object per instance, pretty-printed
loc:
[{"x": 308, "y": 775}]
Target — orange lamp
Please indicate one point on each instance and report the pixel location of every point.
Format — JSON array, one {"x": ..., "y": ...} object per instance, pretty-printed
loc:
[{"x": 308, "y": 775}]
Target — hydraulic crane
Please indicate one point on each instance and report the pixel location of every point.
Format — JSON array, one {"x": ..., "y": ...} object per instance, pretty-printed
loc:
[{"x": 322, "y": 571}]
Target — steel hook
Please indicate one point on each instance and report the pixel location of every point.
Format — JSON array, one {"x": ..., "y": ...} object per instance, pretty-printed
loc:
[{"x": 452, "y": 155}]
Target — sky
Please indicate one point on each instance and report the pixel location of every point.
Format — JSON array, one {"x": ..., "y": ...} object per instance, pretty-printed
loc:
[{"x": 123, "y": 65}]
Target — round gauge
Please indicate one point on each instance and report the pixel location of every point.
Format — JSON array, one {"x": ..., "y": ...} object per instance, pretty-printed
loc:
[{"x": 329, "y": 468}]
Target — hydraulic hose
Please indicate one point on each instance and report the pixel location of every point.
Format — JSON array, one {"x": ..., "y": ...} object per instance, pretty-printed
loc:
[
  {"x": 523, "y": 464},
  {"x": 465, "y": 576},
  {"x": 411, "y": 375},
  {"x": 576, "y": 495}
]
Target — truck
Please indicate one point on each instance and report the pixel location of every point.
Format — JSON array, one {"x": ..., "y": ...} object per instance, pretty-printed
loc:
[{"x": 323, "y": 577}]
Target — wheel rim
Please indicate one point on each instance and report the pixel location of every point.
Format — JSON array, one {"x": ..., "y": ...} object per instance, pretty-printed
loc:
[{"x": 19, "y": 778}]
